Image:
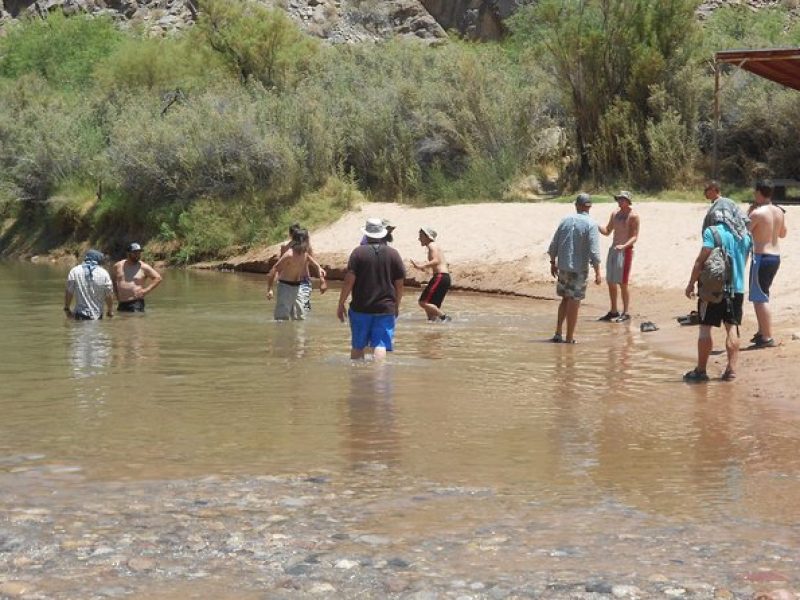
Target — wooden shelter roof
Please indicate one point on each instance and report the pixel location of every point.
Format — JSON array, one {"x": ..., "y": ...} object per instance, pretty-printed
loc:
[{"x": 781, "y": 65}]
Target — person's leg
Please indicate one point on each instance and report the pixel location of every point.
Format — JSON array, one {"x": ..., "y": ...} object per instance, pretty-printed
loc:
[
  {"x": 427, "y": 300},
  {"x": 612, "y": 296},
  {"x": 562, "y": 314},
  {"x": 572, "y": 318},
  {"x": 431, "y": 311},
  {"x": 704, "y": 346},
  {"x": 732, "y": 350},
  {"x": 382, "y": 335},
  {"x": 284, "y": 301},
  {"x": 359, "y": 333},
  {"x": 356, "y": 354},
  {"x": 626, "y": 299},
  {"x": 764, "y": 318}
]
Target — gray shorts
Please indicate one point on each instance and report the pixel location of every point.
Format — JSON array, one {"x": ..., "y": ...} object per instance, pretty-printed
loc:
[
  {"x": 289, "y": 302},
  {"x": 618, "y": 265},
  {"x": 572, "y": 285}
]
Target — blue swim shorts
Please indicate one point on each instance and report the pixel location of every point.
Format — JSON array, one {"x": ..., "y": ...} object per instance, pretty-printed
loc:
[
  {"x": 371, "y": 330},
  {"x": 762, "y": 272}
]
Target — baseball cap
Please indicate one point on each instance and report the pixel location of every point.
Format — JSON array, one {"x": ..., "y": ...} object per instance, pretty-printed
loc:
[
  {"x": 583, "y": 199},
  {"x": 134, "y": 247}
]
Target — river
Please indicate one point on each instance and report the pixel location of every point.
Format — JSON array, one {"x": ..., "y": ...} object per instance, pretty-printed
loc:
[{"x": 204, "y": 450}]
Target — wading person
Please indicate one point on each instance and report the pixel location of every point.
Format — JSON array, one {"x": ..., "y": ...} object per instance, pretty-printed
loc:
[
  {"x": 90, "y": 286},
  {"x": 767, "y": 226},
  {"x": 374, "y": 277},
  {"x": 575, "y": 245},
  {"x": 728, "y": 309},
  {"x": 133, "y": 280},
  {"x": 433, "y": 295},
  {"x": 624, "y": 224},
  {"x": 291, "y": 270},
  {"x": 305, "y": 287}
]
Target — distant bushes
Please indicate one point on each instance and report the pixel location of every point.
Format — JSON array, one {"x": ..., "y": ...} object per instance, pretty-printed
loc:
[{"x": 215, "y": 138}]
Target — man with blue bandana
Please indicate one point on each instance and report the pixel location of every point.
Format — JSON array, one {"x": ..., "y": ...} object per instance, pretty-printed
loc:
[{"x": 90, "y": 286}]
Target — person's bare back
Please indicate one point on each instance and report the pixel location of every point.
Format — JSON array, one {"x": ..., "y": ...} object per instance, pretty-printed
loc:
[
  {"x": 767, "y": 226},
  {"x": 293, "y": 265}
]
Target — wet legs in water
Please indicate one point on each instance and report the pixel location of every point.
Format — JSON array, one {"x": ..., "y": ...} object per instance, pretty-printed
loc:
[{"x": 568, "y": 310}]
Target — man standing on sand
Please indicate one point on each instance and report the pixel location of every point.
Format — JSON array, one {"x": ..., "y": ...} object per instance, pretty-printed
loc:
[
  {"x": 375, "y": 277},
  {"x": 575, "y": 245},
  {"x": 624, "y": 223},
  {"x": 729, "y": 310},
  {"x": 130, "y": 276},
  {"x": 767, "y": 225},
  {"x": 90, "y": 285},
  {"x": 291, "y": 271},
  {"x": 433, "y": 295}
]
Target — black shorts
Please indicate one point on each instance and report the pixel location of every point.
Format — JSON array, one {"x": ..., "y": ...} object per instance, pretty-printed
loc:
[
  {"x": 436, "y": 290},
  {"x": 728, "y": 311},
  {"x": 131, "y": 306}
]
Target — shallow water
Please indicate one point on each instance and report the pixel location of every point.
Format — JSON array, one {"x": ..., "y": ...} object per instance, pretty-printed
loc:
[{"x": 591, "y": 437}]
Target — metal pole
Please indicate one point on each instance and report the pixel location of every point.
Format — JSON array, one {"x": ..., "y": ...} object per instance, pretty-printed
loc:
[{"x": 715, "y": 158}]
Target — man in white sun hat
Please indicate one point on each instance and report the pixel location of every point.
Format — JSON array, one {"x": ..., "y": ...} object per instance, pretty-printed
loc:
[{"x": 375, "y": 276}]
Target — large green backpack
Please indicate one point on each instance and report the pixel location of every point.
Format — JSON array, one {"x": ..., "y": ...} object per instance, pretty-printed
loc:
[{"x": 715, "y": 278}]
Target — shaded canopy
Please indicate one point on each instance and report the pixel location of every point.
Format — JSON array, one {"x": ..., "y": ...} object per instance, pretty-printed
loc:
[{"x": 781, "y": 65}]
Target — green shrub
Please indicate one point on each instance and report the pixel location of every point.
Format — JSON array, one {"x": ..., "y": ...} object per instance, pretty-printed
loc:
[
  {"x": 204, "y": 230},
  {"x": 62, "y": 50}
]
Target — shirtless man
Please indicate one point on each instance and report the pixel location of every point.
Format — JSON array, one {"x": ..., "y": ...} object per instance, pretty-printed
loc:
[
  {"x": 130, "y": 278},
  {"x": 305, "y": 286},
  {"x": 624, "y": 222},
  {"x": 433, "y": 295},
  {"x": 291, "y": 271},
  {"x": 767, "y": 225}
]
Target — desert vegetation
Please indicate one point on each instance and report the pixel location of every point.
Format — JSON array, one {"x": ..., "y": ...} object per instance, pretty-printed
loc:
[{"x": 215, "y": 140}]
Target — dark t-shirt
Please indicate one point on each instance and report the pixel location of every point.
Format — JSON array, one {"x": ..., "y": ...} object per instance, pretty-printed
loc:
[{"x": 376, "y": 267}]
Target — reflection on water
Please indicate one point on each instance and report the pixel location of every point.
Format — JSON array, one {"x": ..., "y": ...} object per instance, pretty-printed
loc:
[{"x": 206, "y": 383}]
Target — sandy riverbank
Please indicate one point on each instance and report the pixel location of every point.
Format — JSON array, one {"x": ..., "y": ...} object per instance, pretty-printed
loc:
[{"x": 502, "y": 248}]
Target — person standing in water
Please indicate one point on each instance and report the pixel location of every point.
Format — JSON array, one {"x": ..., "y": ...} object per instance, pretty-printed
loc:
[
  {"x": 767, "y": 225},
  {"x": 375, "y": 277},
  {"x": 131, "y": 277},
  {"x": 304, "y": 293},
  {"x": 433, "y": 295},
  {"x": 291, "y": 271},
  {"x": 575, "y": 245},
  {"x": 90, "y": 286},
  {"x": 624, "y": 224}
]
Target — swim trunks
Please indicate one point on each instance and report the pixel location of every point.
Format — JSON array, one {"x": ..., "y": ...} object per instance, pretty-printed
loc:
[
  {"x": 131, "y": 306},
  {"x": 368, "y": 329},
  {"x": 618, "y": 265},
  {"x": 728, "y": 311},
  {"x": 289, "y": 304},
  {"x": 304, "y": 295},
  {"x": 436, "y": 290},
  {"x": 572, "y": 285},
  {"x": 762, "y": 272}
]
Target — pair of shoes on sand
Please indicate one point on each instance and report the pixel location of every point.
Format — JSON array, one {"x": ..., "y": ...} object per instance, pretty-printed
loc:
[
  {"x": 615, "y": 316},
  {"x": 759, "y": 341},
  {"x": 558, "y": 339},
  {"x": 691, "y": 319},
  {"x": 695, "y": 376}
]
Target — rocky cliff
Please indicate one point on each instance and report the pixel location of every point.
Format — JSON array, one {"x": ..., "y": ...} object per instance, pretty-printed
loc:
[{"x": 338, "y": 21}]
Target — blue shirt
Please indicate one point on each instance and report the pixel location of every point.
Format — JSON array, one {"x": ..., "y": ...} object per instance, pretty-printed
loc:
[
  {"x": 576, "y": 243},
  {"x": 738, "y": 250}
]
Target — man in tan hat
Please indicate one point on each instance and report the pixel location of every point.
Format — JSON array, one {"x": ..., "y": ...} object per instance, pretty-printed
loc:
[
  {"x": 433, "y": 295},
  {"x": 624, "y": 223}
]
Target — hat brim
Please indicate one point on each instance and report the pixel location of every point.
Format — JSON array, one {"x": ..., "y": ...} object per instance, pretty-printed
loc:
[
  {"x": 379, "y": 235},
  {"x": 618, "y": 198}
]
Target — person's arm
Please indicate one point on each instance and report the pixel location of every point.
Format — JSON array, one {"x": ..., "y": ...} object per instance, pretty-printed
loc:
[
  {"x": 114, "y": 275},
  {"x": 434, "y": 258},
  {"x": 608, "y": 228},
  {"x": 697, "y": 268},
  {"x": 399, "y": 287},
  {"x": 347, "y": 287},
  {"x": 273, "y": 272},
  {"x": 633, "y": 231},
  {"x": 782, "y": 232},
  {"x": 68, "y": 294},
  {"x": 155, "y": 279},
  {"x": 110, "y": 303},
  {"x": 594, "y": 252},
  {"x": 553, "y": 252},
  {"x": 323, "y": 284}
]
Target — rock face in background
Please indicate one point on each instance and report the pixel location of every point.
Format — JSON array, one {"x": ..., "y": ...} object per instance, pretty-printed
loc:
[{"x": 336, "y": 21}]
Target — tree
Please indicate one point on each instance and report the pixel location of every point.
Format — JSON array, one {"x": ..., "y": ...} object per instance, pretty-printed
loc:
[
  {"x": 608, "y": 58},
  {"x": 258, "y": 42}
]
